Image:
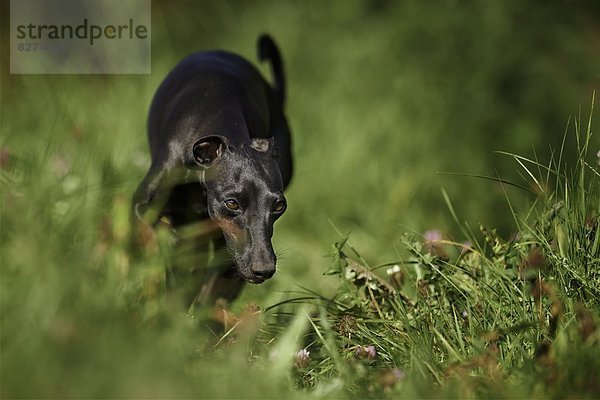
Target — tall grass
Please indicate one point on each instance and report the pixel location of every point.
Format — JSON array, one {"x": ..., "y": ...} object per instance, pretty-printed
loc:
[
  {"x": 484, "y": 317},
  {"x": 478, "y": 317}
]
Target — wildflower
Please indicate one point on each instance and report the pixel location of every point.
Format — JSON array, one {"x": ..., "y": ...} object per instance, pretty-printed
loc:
[
  {"x": 370, "y": 352},
  {"x": 395, "y": 269},
  {"x": 432, "y": 236},
  {"x": 396, "y": 276},
  {"x": 390, "y": 377},
  {"x": 433, "y": 243},
  {"x": 398, "y": 373},
  {"x": 366, "y": 352},
  {"x": 302, "y": 358}
]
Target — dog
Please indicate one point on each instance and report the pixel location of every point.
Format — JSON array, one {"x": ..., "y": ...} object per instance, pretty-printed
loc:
[{"x": 221, "y": 155}]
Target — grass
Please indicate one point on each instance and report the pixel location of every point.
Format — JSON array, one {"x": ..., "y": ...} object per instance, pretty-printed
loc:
[
  {"x": 481, "y": 318},
  {"x": 476, "y": 317},
  {"x": 382, "y": 96}
]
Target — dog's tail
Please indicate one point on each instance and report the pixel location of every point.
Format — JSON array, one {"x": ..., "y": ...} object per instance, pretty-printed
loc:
[{"x": 267, "y": 50}]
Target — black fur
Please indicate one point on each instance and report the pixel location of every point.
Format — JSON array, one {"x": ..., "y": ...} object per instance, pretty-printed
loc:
[{"x": 221, "y": 151}]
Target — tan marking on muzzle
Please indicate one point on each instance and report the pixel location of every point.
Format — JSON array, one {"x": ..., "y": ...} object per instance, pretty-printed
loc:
[{"x": 231, "y": 228}]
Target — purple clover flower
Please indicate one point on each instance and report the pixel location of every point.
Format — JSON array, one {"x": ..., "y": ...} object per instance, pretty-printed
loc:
[
  {"x": 302, "y": 358},
  {"x": 434, "y": 243},
  {"x": 398, "y": 374},
  {"x": 432, "y": 236},
  {"x": 391, "y": 377},
  {"x": 366, "y": 352}
]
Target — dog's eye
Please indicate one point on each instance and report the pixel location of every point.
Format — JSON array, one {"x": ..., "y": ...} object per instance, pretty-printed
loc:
[
  {"x": 279, "y": 206},
  {"x": 232, "y": 204}
]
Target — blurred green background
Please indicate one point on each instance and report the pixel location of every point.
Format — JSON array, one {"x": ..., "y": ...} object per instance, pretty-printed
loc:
[{"x": 382, "y": 95}]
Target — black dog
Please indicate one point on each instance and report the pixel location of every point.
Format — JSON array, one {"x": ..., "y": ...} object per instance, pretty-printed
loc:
[{"x": 220, "y": 147}]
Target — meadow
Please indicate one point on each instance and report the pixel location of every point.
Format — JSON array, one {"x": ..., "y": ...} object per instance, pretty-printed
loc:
[{"x": 441, "y": 238}]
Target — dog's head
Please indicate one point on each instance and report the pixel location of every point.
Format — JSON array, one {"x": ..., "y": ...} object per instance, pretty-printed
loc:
[{"x": 244, "y": 193}]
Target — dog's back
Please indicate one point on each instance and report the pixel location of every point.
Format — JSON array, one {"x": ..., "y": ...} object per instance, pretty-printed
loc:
[{"x": 225, "y": 87}]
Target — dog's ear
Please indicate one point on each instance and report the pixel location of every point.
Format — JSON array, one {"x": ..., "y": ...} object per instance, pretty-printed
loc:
[
  {"x": 265, "y": 145},
  {"x": 208, "y": 149}
]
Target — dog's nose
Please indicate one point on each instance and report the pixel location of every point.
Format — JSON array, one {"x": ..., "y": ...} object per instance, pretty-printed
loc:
[{"x": 262, "y": 272}]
